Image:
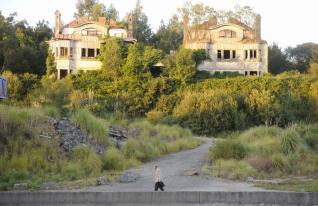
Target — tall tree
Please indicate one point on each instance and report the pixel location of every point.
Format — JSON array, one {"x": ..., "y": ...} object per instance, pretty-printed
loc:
[
  {"x": 98, "y": 10},
  {"x": 277, "y": 60},
  {"x": 303, "y": 55},
  {"x": 111, "y": 12},
  {"x": 141, "y": 29},
  {"x": 169, "y": 37},
  {"x": 84, "y": 8}
]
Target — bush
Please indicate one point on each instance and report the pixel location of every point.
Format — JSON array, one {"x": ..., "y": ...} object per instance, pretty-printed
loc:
[
  {"x": 278, "y": 162},
  {"x": 289, "y": 141},
  {"x": 233, "y": 169},
  {"x": 261, "y": 164},
  {"x": 209, "y": 112},
  {"x": 72, "y": 171},
  {"x": 228, "y": 149},
  {"x": 112, "y": 159},
  {"x": 94, "y": 126}
]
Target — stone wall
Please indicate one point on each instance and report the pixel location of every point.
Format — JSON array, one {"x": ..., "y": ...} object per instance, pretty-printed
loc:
[{"x": 158, "y": 198}]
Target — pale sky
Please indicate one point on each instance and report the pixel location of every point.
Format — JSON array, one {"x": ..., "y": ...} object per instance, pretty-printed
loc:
[{"x": 287, "y": 22}]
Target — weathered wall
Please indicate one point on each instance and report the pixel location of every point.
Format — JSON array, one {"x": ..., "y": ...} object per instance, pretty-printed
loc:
[{"x": 159, "y": 198}]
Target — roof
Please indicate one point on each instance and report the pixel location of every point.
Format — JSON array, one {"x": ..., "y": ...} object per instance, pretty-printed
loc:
[{"x": 86, "y": 20}]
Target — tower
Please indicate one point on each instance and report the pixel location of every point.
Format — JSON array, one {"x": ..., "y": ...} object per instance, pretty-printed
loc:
[
  {"x": 130, "y": 26},
  {"x": 257, "y": 27},
  {"x": 57, "y": 22}
]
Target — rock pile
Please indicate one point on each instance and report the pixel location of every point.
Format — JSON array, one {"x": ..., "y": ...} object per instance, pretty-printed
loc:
[{"x": 71, "y": 135}]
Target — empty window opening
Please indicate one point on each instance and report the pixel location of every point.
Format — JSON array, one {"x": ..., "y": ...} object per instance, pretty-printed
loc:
[
  {"x": 246, "y": 54},
  {"x": 83, "y": 52},
  {"x": 234, "y": 54},
  {"x": 97, "y": 52},
  {"x": 63, "y": 51},
  {"x": 227, "y": 54},
  {"x": 63, "y": 73},
  {"x": 219, "y": 54},
  {"x": 90, "y": 52}
]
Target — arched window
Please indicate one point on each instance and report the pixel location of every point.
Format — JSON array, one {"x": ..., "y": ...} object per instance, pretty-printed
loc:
[{"x": 227, "y": 33}]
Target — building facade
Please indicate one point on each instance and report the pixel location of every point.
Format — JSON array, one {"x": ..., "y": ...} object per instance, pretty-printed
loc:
[
  {"x": 230, "y": 47},
  {"x": 76, "y": 45}
]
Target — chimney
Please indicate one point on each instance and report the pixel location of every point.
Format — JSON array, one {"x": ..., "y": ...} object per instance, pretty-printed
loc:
[
  {"x": 130, "y": 26},
  {"x": 257, "y": 27},
  {"x": 102, "y": 20},
  {"x": 57, "y": 22}
]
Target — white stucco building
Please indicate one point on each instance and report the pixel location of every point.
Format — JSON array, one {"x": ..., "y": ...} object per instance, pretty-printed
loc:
[
  {"x": 76, "y": 45},
  {"x": 230, "y": 47}
]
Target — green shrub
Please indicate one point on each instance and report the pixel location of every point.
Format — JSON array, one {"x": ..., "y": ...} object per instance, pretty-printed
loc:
[
  {"x": 289, "y": 141},
  {"x": 228, "y": 149},
  {"x": 279, "y": 162},
  {"x": 155, "y": 116},
  {"x": 72, "y": 171},
  {"x": 94, "y": 126},
  {"x": 233, "y": 169},
  {"x": 112, "y": 159}
]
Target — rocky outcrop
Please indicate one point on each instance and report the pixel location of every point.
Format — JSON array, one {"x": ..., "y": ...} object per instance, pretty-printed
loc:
[
  {"x": 71, "y": 135},
  {"x": 128, "y": 177}
]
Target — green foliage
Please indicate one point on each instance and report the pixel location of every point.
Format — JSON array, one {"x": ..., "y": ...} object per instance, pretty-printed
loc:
[
  {"x": 181, "y": 65},
  {"x": 208, "y": 112},
  {"x": 94, "y": 126},
  {"x": 23, "y": 48},
  {"x": 228, "y": 149},
  {"x": 169, "y": 37},
  {"x": 72, "y": 171},
  {"x": 199, "y": 56},
  {"x": 272, "y": 151},
  {"x": 277, "y": 60},
  {"x": 289, "y": 141},
  {"x": 112, "y": 159},
  {"x": 50, "y": 64},
  {"x": 141, "y": 29},
  {"x": 233, "y": 169}
]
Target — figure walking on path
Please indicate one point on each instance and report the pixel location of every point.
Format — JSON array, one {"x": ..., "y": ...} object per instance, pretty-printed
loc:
[{"x": 158, "y": 180}]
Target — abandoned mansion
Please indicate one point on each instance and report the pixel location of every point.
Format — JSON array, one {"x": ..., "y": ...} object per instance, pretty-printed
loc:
[
  {"x": 76, "y": 45},
  {"x": 230, "y": 47}
]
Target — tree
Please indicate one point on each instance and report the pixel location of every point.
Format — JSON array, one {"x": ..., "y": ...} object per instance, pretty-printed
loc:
[
  {"x": 111, "y": 13},
  {"x": 169, "y": 37},
  {"x": 181, "y": 65},
  {"x": 84, "y": 8},
  {"x": 313, "y": 69},
  {"x": 98, "y": 10},
  {"x": 141, "y": 29},
  {"x": 277, "y": 60},
  {"x": 198, "y": 13},
  {"x": 303, "y": 55},
  {"x": 112, "y": 56},
  {"x": 50, "y": 64}
]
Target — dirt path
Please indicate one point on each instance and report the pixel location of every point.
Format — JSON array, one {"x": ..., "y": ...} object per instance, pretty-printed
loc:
[{"x": 172, "y": 168}]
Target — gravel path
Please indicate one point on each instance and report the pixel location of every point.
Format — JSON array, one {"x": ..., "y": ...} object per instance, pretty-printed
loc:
[{"x": 172, "y": 168}]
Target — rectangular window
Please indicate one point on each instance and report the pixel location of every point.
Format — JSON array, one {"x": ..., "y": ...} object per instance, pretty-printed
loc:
[
  {"x": 97, "y": 52},
  {"x": 251, "y": 54},
  {"x": 219, "y": 54},
  {"x": 90, "y": 52},
  {"x": 71, "y": 52},
  {"x": 246, "y": 54},
  {"x": 227, "y": 54},
  {"x": 234, "y": 54},
  {"x": 83, "y": 52},
  {"x": 255, "y": 54},
  {"x": 63, "y": 51}
]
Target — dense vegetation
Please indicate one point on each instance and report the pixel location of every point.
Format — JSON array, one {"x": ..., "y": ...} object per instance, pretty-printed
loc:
[
  {"x": 30, "y": 151},
  {"x": 268, "y": 152}
]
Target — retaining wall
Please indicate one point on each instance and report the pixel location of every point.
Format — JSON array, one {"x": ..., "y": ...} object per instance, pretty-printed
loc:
[{"x": 157, "y": 198}]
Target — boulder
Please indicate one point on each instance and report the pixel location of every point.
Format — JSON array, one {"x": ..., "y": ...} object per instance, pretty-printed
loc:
[
  {"x": 128, "y": 177},
  {"x": 101, "y": 181},
  {"x": 191, "y": 172},
  {"x": 20, "y": 186},
  {"x": 49, "y": 186}
]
